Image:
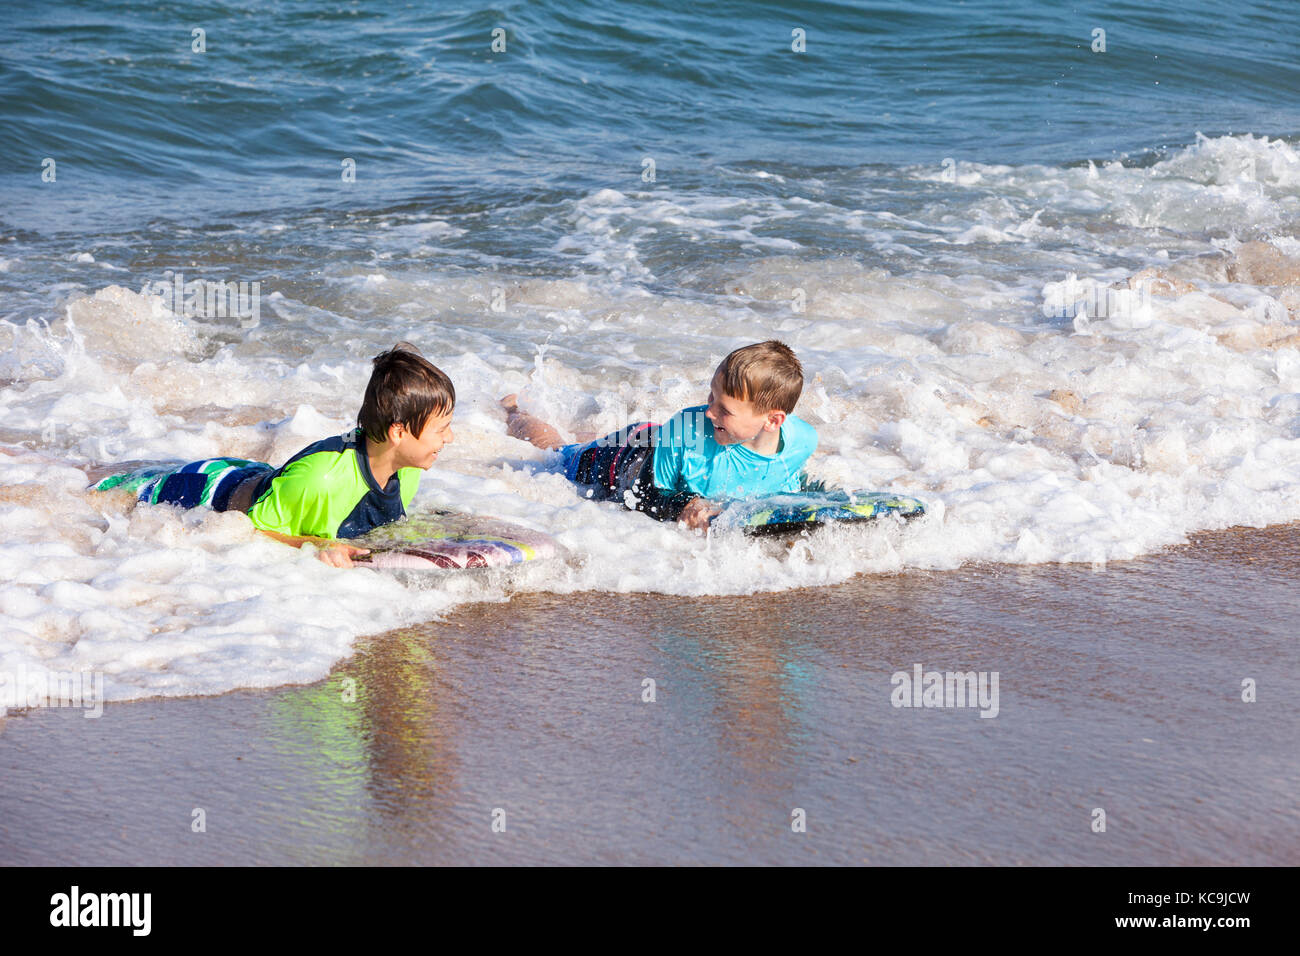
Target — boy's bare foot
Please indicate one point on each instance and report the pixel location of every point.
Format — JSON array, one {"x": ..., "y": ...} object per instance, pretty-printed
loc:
[{"x": 529, "y": 428}]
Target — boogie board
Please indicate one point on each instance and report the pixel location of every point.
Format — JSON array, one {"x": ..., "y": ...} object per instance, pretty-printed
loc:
[
  {"x": 802, "y": 511},
  {"x": 444, "y": 540}
]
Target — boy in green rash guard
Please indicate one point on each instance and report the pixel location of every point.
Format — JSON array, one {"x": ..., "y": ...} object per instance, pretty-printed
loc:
[
  {"x": 745, "y": 441},
  {"x": 339, "y": 487},
  {"x": 343, "y": 487}
]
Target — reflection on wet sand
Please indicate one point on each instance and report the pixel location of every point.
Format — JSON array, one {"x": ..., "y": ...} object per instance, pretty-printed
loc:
[{"x": 378, "y": 730}]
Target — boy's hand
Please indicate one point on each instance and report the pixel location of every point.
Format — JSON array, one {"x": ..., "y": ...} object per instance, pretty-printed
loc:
[
  {"x": 340, "y": 555},
  {"x": 697, "y": 513}
]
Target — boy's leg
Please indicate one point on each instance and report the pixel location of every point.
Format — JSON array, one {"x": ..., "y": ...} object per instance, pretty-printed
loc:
[
  {"x": 610, "y": 464},
  {"x": 188, "y": 484}
]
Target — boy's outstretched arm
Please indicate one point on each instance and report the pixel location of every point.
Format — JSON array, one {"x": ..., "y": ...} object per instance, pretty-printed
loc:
[{"x": 334, "y": 553}]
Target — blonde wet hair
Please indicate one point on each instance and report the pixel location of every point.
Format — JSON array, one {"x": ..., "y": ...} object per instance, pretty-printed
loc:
[{"x": 768, "y": 375}]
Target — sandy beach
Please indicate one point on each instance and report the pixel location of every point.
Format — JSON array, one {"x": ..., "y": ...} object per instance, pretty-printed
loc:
[{"x": 1120, "y": 688}]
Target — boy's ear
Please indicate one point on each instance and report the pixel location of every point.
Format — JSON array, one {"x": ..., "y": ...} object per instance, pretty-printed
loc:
[{"x": 775, "y": 418}]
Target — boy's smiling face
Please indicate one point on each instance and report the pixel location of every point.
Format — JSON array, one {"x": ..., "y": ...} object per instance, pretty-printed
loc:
[
  {"x": 736, "y": 421},
  {"x": 420, "y": 451}
]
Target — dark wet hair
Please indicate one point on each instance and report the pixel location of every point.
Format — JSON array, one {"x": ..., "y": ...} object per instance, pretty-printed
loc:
[{"x": 405, "y": 388}]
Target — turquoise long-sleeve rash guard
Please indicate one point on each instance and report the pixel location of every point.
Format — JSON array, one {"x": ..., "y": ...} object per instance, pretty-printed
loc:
[{"x": 688, "y": 458}]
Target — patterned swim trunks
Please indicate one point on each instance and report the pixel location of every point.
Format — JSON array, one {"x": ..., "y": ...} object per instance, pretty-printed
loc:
[
  {"x": 210, "y": 482},
  {"x": 611, "y": 465}
]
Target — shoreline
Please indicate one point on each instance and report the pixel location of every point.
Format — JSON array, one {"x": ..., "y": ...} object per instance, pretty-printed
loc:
[{"x": 1120, "y": 690}]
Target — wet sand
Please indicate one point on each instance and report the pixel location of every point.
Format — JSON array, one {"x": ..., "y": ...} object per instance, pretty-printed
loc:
[{"x": 1119, "y": 688}]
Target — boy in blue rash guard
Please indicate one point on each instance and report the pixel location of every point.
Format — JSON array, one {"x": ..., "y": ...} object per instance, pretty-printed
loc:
[{"x": 744, "y": 441}]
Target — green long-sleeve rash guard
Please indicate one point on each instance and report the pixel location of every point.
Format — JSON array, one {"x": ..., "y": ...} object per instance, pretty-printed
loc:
[{"x": 328, "y": 491}]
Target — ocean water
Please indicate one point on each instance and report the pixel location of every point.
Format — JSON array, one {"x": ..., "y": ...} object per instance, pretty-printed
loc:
[{"x": 1049, "y": 288}]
